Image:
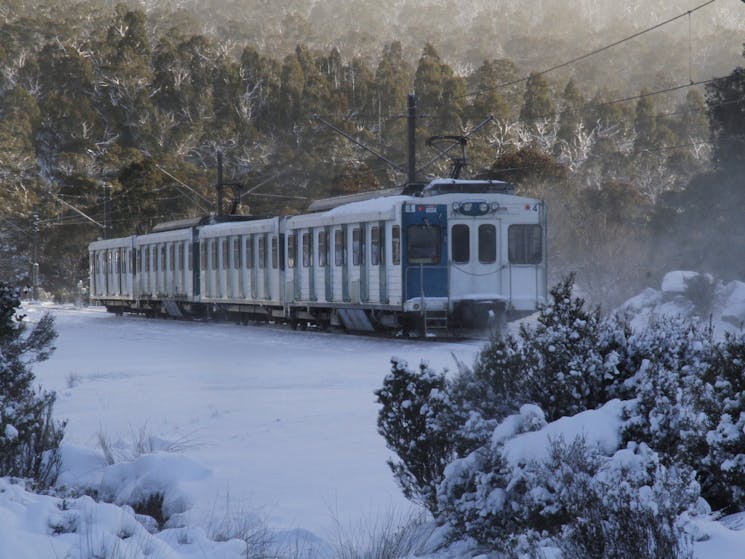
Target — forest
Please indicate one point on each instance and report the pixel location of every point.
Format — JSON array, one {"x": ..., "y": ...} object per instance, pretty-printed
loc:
[{"x": 637, "y": 150}]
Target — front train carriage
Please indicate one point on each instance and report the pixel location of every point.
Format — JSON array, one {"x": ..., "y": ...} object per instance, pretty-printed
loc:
[
  {"x": 241, "y": 264},
  {"x": 474, "y": 255},
  {"x": 110, "y": 272}
]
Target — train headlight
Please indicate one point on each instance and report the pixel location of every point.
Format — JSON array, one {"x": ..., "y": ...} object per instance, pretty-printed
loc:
[
  {"x": 467, "y": 207},
  {"x": 494, "y": 206},
  {"x": 456, "y": 206},
  {"x": 483, "y": 207}
]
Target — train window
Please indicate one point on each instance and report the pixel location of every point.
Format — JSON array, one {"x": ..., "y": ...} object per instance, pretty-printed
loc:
[
  {"x": 340, "y": 248},
  {"x": 525, "y": 244},
  {"x": 275, "y": 252},
  {"x": 138, "y": 261},
  {"x": 189, "y": 256},
  {"x": 203, "y": 255},
  {"x": 249, "y": 252},
  {"x": 162, "y": 257},
  {"x": 262, "y": 251},
  {"x": 291, "y": 250},
  {"x": 423, "y": 244},
  {"x": 156, "y": 264},
  {"x": 461, "y": 243},
  {"x": 356, "y": 247},
  {"x": 487, "y": 244},
  {"x": 236, "y": 252},
  {"x": 307, "y": 250},
  {"x": 225, "y": 253},
  {"x": 172, "y": 257},
  {"x": 146, "y": 259},
  {"x": 322, "y": 251},
  {"x": 375, "y": 246},
  {"x": 213, "y": 254},
  {"x": 396, "y": 245},
  {"x": 179, "y": 264}
]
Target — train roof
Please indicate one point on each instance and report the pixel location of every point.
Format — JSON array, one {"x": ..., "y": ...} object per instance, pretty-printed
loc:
[
  {"x": 432, "y": 188},
  {"x": 190, "y": 222},
  {"x": 464, "y": 186},
  {"x": 325, "y": 204}
]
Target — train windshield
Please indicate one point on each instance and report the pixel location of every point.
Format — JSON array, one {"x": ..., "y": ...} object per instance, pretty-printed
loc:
[{"x": 423, "y": 244}]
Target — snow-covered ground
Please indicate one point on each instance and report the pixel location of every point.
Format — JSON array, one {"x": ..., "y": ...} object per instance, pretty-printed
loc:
[
  {"x": 263, "y": 420},
  {"x": 233, "y": 423}
]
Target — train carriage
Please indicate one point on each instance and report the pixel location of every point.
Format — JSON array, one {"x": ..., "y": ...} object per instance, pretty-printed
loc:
[
  {"x": 342, "y": 260},
  {"x": 110, "y": 270},
  {"x": 241, "y": 264},
  {"x": 164, "y": 267}
]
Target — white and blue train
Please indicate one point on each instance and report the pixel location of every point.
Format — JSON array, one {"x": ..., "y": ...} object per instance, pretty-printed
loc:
[{"x": 456, "y": 255}]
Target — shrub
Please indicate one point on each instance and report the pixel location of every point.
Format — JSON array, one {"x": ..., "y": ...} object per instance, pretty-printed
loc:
[
  {"x": 722, "y": 469},
  {"x": 684, "y": 415},
  {"x": 413, "y": 420},
  {"x": 481, "y": 493},
  {"x": 572, "y": 361},
  {"x": 628, "y": 508},
  {"x": 29, "y": 437}
]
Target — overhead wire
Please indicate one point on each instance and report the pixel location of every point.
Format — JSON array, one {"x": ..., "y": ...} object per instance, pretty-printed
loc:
[{"x": 593, "y": 52}]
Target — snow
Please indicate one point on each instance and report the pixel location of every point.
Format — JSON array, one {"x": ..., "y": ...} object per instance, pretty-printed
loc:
[
  {"x": 239, "y": 427},
  {"x": 675, "y": 282},
  {"x": 726, "y": 309},
  {"x": 601, "y": 428},
  {"x": 216, "y": 416}
]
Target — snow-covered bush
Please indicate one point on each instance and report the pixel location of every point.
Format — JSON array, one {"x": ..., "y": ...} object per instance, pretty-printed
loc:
[
  {"x": 570, "y": 362},
  {"x": 413, "y": 420},
  {"x": 722, "y": 470},
  {"x": 671, "y": 397},
  {"x": 482, "y": 495},
  {"x": 679, "y": 395},
  {"x": 628, "y": 506},
  {"x": 589, "y": 504},
  {"x": 29, "y": 437}
]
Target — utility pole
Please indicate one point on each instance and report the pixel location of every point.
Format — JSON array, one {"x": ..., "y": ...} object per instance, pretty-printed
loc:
[
  {"x": 35, "y": 256},
  {"x": 219, "y": 183},
  {"x": 106, "y": 210},
  {"x": 412, "y": 137}
]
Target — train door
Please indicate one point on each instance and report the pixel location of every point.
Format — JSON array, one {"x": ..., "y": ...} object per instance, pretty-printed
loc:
[
  {"x": 170, "y": 272},
  {"x": 162, "y": 272},
  {"x": 346, "y": 264},
  {"x": 272, "y": 276},
  {"x": 291, "y": 283},
  {"x": 144, "y": 270},
  {"x": 261, "y": 265},
  {"x": 339, "y": 275},
  {"x": 251, "y": 267},
  {"x": 129, "y": 272},
  {"x": 236, "y": 268},
  {"x": 326, "y": 263},
  {"x": 526, "y": 262},
  {"x": 362, "y": 260},
  {"x": 393, "y": 270},
  {"x": 425, "y": 250},
  {"x": 474, "y": 258},
  {"x": 373, "y": 262}
]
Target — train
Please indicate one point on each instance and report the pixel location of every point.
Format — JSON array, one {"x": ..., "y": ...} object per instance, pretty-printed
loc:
[{"x": 449, "y": 257}]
